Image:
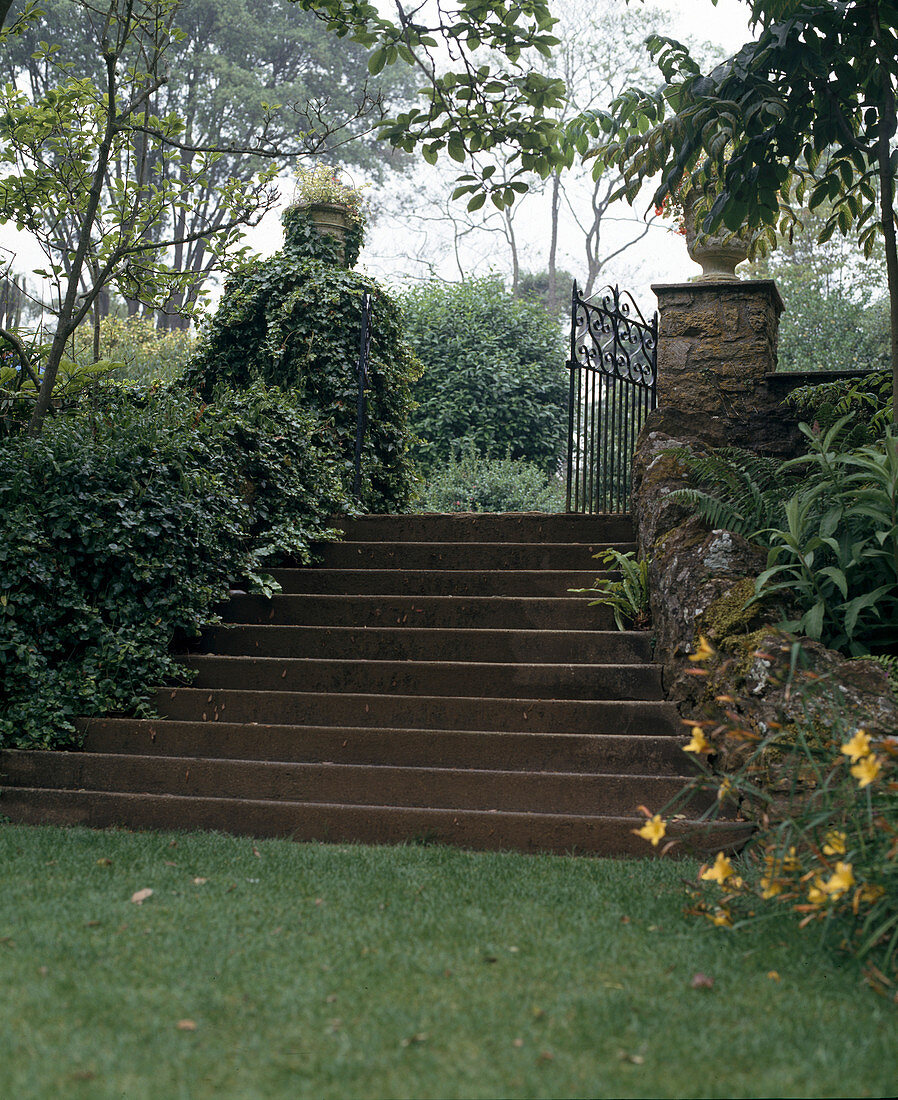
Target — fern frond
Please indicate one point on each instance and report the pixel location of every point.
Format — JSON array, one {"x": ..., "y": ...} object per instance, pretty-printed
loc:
[
  {"x": 738, "y": 490},
  {"x": 889, "y": 663}
]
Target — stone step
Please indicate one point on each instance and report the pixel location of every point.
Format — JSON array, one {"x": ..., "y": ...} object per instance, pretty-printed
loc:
[
  {"x": 435, "y": 582},
  {"x": 343, "y": 784},
  {"x": 409, "y": 642},
  {"x": 295, "y": 708},
  {"x": 623, "y": 753},
  {"x": 536, "y": 681},
  {"x": 474, "y": 829},
  {"x": 486, "y": 612},
  {"x": 488, "y": 527},
  {"x": 470, "y": 556}
]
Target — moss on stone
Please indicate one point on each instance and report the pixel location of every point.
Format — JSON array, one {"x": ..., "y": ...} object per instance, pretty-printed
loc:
[{"x": 728, "y": 615}]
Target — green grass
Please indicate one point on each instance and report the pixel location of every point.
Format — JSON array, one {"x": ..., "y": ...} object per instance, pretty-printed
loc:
[{"x": 315, "y": 971}]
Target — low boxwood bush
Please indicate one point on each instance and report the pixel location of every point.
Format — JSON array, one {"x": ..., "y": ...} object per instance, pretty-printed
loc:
[
  {"x": 124, "y": 522},
  {"x": 470, "y": 483}
]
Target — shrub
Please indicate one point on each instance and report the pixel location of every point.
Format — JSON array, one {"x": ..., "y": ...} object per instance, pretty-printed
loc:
[
  {"x": 293, "y": 321},
  {"x": 124, "y": 522},
  {"x": 470, "y": 483},
  {"x": 493, "y": 373},
  {"x": 147, "y": 354}
]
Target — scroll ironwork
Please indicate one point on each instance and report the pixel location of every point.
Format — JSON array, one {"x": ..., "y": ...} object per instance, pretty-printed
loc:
[{"x": 613, "y": 368}]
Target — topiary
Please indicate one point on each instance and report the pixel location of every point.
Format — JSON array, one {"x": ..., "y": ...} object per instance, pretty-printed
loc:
[{"x": 293, "y": 321}]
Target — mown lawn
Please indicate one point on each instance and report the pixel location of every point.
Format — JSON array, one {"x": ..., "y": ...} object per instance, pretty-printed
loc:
[{"x": 314, "y": 971}]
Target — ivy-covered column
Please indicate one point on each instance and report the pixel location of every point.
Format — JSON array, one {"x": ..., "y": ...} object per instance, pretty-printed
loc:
[{"x": 716, "y": 347}]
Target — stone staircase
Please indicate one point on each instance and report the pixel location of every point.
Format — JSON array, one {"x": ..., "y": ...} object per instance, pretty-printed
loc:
[{"x": 432, "y": 680}]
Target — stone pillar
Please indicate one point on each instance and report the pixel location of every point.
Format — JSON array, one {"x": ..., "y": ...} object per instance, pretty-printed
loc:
[{"x": 716, "y": 344}]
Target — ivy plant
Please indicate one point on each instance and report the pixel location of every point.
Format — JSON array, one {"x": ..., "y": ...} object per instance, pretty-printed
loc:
[
  {"x": 293, "y": 321},
  {"x": 125, "y": 522}
]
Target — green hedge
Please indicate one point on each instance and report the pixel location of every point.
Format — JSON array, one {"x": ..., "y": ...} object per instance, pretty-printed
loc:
[
  {"x": 494, "y": 373},
  {"x": 123, "y": 523}
]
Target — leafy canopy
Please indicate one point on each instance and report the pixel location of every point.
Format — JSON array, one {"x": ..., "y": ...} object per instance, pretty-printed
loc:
[
  {"x": 481, "y": 90},
  {"x": 806, "y": 114}
]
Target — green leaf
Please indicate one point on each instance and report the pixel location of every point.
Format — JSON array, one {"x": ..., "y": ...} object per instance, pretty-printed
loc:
[
  {"x": 456, "y": 148},
  {"x": 377, "y": 60}
]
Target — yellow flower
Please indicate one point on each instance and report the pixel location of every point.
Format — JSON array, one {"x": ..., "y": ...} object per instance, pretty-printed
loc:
[
  {"x": 841, "y": 881},
  {"x": 653, "y": 830},
  {"x": 791, "y": 862},
  {"x": 866, "y": 770},
  {"x": 699, "y": 742},
  {"x": 720, "y": 871},
  {"x": 724, "y": 789},
  {"x": 704, "y": 651},
  {"x": 870, "y": 893},
  {"x": 835, "y": 843},
  {"x": 722, "y": 918},
  {"x": 817, "y": 892},
  {"x": 857, "y": 747},
  {"x": 770, "y": 887}
]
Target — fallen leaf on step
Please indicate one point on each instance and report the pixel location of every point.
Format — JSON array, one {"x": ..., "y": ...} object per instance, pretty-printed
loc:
[{"x": 140, "y": 896}]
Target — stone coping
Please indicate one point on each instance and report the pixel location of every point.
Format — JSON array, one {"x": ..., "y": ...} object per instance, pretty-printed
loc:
[
  {"x": 750, "y": 286},
  {"x": 797, "y": 378}
]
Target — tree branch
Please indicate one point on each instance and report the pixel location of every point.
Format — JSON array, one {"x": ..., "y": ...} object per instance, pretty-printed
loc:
[{"x": 18, "y": 344}]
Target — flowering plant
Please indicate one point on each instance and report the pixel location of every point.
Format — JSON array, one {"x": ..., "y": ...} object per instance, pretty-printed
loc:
[
  {"x": 826, "y": 842},
  {"x": 321, "y": 183},
  {"x": 671, "y": 206}
]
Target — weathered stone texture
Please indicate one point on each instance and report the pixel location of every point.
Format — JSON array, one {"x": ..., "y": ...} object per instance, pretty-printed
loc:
[{"x": 717, "y": 343}]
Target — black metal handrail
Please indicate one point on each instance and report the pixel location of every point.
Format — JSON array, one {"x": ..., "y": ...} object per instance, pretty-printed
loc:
[
  {"x": 613, "y": 359},
  {"x": 361, "y": 405}
]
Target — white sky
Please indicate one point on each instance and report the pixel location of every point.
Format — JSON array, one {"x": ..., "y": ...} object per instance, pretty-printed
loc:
[{"x": 660, "y": 257}]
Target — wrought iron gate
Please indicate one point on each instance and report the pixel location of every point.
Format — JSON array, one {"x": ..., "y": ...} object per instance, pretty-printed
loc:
[{"x": 612, "y": 390}]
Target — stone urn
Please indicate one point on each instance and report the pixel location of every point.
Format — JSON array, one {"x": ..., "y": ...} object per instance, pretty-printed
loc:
[
  {"x": 717, "y": 253},
  {"x": 330, "y": 219}
]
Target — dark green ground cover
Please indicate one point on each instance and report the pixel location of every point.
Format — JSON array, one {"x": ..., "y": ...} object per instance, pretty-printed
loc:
[{"x": 316, "y": 971}]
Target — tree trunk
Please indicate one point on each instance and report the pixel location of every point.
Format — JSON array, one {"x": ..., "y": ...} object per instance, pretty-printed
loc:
[
  {"x": 68, "y": 311},
  {"x": 553, "y": 240},
  {"x": 888, "y": 123},
  {"x": 887, "y": 213}
]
